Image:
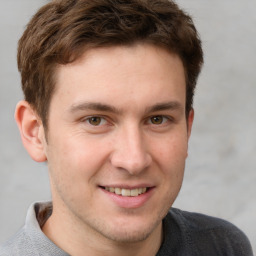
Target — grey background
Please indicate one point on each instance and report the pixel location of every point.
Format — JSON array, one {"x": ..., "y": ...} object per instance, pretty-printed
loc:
[{"x": 220, "y": 175}]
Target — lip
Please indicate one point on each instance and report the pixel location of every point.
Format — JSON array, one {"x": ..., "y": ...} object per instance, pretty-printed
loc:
[
  {"x": 141, "y": 185},
  {"x": 129, "y": 202}
]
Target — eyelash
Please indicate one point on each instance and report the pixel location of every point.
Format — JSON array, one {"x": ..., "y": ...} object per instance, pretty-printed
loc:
[
  {"x": 88, "y": 119},
  {"x": 163, "y": 120}
]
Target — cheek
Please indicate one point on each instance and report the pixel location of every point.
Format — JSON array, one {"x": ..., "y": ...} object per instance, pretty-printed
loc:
[
  {"x": 172, "y": 151},
  {"x": 78, "y": 158},
  {"x": 70, "y": 172}
]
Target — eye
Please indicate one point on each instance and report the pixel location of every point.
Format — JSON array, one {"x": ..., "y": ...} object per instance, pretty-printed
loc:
[
  {"x": 96, "y": 120},
  {"x": 157, "y": 120}
]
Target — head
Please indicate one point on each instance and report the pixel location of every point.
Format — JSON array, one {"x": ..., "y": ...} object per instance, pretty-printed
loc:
[
  {"x": 112, "y": 83},
  {"x": 61, "y": 31}
]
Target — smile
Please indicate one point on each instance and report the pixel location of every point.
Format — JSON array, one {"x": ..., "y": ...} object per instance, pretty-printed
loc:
[{"x": 126, "y": 192}]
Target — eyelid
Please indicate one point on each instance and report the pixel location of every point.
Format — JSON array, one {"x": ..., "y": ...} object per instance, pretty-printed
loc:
[
  {"x": 166, "y": 117},
  {"x": 87, "y": 118},
  {"x": 108, "y": 122}
]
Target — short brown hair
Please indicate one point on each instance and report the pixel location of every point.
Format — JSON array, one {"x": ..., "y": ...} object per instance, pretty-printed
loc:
[{"x": 62, "y": 30}]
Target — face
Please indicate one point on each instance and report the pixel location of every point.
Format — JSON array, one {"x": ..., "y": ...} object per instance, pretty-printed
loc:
[{"x": 117, "y": 140}]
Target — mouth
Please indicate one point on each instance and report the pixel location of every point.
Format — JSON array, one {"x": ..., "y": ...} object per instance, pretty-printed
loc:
[
  {"x": 126, "y": 192},
  {"x": 129, "y": 197}
]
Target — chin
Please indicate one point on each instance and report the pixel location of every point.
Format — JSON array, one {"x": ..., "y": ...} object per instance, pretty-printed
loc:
[
  {"x": 131, "y": 231},
  {"x": 128, "y": 236}
]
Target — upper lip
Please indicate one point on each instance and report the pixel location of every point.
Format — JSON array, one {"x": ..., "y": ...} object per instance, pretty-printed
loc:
[{"x": 126, "y": 186}]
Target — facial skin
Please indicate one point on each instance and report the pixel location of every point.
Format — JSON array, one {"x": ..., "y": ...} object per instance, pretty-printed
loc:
[{"x": 116, "y": 120}]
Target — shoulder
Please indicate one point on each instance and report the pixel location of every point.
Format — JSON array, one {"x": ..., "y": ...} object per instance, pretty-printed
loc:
[
  {"x": 206, "y": 233},
  {"x": 30, "y": 240},
  {"x": 200, "y": 222},
  {"x": 15, "y": 245}
]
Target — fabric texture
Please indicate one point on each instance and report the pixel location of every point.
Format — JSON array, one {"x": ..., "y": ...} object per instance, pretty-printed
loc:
[
  {"x": 194, "y": 234},
  {"x": 30, "y": 240},
  {"x": 185, "y": 234}
]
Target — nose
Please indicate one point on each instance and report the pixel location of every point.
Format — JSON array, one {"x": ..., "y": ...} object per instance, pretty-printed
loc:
[{"x": 131, "y": 152}]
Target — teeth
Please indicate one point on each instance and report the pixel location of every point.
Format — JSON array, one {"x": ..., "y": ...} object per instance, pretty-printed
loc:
[
  {"x": 118, "y": 191},
  {"x": 134, "y": 192},
  {"x": 112, "y": 190},
  {"x": 126, "y": 192}
]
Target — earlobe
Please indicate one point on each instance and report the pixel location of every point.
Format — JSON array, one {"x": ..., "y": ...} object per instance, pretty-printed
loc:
[{"x": 31, "y": 131}]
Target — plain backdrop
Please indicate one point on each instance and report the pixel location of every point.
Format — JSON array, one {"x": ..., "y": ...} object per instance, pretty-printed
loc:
[{"x": 220, "y": 175}]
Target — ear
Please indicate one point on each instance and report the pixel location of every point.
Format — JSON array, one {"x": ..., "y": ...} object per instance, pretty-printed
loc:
[
  {"x": 190, "y": 121},
  {"x": 31, "y": 131}
]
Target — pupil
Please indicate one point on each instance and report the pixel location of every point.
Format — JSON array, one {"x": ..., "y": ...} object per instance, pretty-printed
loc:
[
  {"x": 94, "y": 120},
  {"x": 157, "y": 119}
]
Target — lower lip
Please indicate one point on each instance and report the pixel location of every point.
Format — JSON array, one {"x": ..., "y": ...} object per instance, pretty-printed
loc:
[{"x": 129, "y": 202}]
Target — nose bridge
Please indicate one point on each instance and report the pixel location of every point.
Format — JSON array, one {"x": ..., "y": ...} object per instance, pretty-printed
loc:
[{"x": 130, "y": 150}]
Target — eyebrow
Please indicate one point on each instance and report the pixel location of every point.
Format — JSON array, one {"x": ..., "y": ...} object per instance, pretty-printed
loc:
[
  {"x": 97, "y": 106},
  {"x": 172, "y": 105},
  {"x": 94, "y": 106}
]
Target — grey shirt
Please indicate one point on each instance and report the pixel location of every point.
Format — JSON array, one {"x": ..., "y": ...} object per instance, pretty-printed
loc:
[
  {"x": 185, "y": 234},
  {"x": 30, "y": 240}
]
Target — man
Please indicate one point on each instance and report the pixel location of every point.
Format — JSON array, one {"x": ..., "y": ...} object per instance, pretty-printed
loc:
[{"x": 108, "y": 88}]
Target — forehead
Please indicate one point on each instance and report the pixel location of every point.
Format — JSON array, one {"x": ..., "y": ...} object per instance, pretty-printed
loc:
[{"x": 121, "y": 72}]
